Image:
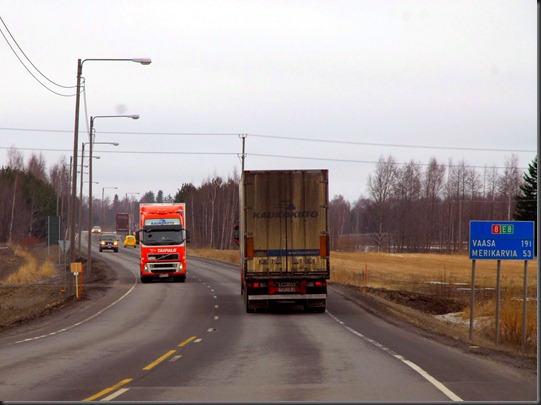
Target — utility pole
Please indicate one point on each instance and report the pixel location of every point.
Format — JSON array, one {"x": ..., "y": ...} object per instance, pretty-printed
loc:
[{"x": 243, "y": 155}]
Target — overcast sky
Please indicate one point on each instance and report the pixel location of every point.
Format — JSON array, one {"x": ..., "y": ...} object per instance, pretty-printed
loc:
[{"x": 329, "y": 84}]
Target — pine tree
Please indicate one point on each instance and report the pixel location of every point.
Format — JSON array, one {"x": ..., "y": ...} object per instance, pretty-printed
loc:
[{"x": 526, "y": 207}]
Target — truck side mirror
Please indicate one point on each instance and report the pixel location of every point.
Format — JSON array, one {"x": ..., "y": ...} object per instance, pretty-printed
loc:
[{"x": 187, "y": 236}]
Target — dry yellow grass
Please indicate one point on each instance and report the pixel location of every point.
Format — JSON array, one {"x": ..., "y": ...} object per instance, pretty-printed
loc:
[
  {"x": 389, "y": 270},
  {"x": 34, "y": 268}
]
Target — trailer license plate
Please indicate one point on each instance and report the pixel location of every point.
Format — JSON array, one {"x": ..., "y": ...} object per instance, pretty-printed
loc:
[{"x": 286, "y": 287}]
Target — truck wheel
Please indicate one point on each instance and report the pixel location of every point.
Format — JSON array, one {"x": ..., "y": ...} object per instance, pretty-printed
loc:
[{"x": 144, "y": 279}]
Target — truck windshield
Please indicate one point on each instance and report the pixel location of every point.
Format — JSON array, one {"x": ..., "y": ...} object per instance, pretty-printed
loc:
[{"x": 163, "y": 237}]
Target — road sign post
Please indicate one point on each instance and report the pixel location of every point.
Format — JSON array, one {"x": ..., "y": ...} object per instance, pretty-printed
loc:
[
  {"x": 501, "y": 240},
  {"x": 76, "y": 268}
]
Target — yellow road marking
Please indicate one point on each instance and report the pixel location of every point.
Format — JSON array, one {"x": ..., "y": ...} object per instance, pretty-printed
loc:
[
  {"x": 148, "y": 367},
  {"x": 159, "y": 360},
  {"x": 107, "y": 390},
  {"x": 186, "y": 341}
]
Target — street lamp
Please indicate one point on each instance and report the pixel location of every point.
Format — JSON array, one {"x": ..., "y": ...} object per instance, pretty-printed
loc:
[
  {"x": 81, "y": 196},
  {"x": 102, "y": 195},
  {"x": 91, "y": 140},
  {"x": 143, "y": 61}
]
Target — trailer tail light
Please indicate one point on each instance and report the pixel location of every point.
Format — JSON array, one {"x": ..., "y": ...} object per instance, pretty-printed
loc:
[
  {"x": 256, "y": 284},
  {"x": 249, "y": 246},
  {"x": 316, "y": 284},
  {"x": 323, "y": 247}
]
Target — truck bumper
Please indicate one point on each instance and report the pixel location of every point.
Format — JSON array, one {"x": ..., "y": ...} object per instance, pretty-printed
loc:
[{"x": 286, "y": 297}]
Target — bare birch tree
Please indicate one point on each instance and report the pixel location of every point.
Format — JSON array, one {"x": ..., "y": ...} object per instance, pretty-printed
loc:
[
  {"x": 338, "y": 219},
  {"x": 509, "y": 185},
  {"x": 380, "y": 187},
  {"x": 433, "y": 183}
]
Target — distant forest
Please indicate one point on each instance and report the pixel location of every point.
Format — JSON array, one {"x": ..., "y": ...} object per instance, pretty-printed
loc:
[{"x": 408, "y": 208}]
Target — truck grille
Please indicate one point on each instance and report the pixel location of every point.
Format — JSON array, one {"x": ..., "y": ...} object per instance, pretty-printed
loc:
[
  {"x": 163, "y": 256},
  {"x": 163, "y": 267},
  {"x": 163, "y": 262}
]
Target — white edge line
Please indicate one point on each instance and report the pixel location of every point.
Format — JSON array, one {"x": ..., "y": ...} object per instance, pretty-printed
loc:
[
  {"x": 446, "y": 391},
  {"x": 81, "y": 322},
  {"x": 115, "y": 394}
]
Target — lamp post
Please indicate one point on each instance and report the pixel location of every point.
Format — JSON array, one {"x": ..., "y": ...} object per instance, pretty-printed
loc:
[
  {"x": 89, "y": 254},
  {"x": 81, "y": 196},
  {"x": 143, "y": 61},
  {"x": 102, "y": 195}
]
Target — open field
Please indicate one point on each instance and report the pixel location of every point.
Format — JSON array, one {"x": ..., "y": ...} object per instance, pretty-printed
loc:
[{"x": 427, "y": 290}]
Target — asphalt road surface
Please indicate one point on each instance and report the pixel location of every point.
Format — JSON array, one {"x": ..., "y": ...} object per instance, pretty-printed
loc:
[{"x": 193, "y": 341}]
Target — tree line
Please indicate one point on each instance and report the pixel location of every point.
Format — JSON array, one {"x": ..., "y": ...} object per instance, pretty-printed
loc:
[{"x": 408, "y": 208}]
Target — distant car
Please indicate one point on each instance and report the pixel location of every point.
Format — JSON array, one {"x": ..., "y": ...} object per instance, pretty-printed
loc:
[
  {"x": 108, "y": 242},
  {"x": 129, "y": 241},
  {"x": 96, "y": 229}
]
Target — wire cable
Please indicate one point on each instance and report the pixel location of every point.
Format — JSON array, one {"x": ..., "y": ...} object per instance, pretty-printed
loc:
[
  {"x": 34, "y": 66},
  {"x": 286, "y": 138},
  {"x": 393, "y": 145},
  {"x": 256, "y": 155},
  {"x": 28, "y": 59}
]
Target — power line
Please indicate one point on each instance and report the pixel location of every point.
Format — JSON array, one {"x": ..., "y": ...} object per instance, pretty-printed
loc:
[
  {"x": 253, "y": 154},
  {"x": 368, "y": 161},
  {"x": 126, "y": 151},
  {"x": 34, "y": 66},
  {"x": 124, "y": 133},
  {"x": 393, "y": 145},
  {"x": 286, "y": 138}
]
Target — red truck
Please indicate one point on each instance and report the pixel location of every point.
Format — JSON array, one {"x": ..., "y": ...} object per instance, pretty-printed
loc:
[
  {"x": 124, "y": 223},
  {"x": 162, "y": 238}
]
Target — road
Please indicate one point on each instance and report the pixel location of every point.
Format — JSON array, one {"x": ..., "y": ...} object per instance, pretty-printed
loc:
[{"x": 193, "y": 341}]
